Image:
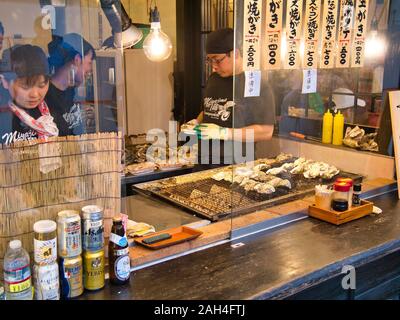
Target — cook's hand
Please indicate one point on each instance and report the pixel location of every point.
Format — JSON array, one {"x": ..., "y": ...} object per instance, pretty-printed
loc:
[
  {"x": 190, "y": 125},
  {"x": 206, "y": 131}
]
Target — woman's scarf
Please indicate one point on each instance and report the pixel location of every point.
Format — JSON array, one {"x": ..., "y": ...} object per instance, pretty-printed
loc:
[{"x": 44, "y": 125}]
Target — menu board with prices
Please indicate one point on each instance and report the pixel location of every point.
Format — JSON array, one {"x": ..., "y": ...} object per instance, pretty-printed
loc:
[
  {"x": 312, "y": 30},
  {"x": 252, "y": 34},
  {"x": 329, "y": 28},
  {"x": 274, "y": 20},
  {"x": 360, "y": 30},
  {"x": 252, "y": 46},
  {"x": 345, "y": 33},
  {"x": 293, "y": 33}
]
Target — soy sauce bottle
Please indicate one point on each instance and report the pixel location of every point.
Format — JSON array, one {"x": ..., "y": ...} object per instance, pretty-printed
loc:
[{"x": 118, "y": 254}]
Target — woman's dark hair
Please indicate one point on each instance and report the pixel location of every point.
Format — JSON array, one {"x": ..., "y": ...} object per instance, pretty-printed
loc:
[
  {"x": 63, "y": 50},
  {"x": 27, "y": 63},
  {"x": 1, "y": 28}
]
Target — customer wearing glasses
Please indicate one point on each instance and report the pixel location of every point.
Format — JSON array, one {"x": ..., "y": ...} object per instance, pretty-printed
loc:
[{"x": 227, "y": 119}]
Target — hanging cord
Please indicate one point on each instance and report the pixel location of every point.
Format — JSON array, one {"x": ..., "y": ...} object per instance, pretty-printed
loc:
[
  {"x": 377, "y": 19},
  {"x": 151, "y": 4}
]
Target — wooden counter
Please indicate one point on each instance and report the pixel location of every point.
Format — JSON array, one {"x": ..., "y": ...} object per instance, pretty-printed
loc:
[
  {"x": 221, "y": 230},
  {"x": 302, "y": 260}
]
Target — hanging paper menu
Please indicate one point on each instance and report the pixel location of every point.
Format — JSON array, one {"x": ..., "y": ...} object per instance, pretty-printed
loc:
[
  {"x": 345, "y": 33},
  {"x": 360, "y": 29},
  {"x": 293, "y": 33},
  {"x": 312, "y": 29},
  {"x": 274, "y": 33},
  {"x": 329, "y": 28},
  {"x": 252, "y": 35}
]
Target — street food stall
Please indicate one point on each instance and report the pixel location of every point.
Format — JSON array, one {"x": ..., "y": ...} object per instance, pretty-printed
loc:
[{"x": 303, "y": 130}]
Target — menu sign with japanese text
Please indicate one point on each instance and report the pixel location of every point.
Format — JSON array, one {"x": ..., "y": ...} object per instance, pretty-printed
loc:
[
  {"x": 329, "y": 28},
  {"x": 312, "y": 29},
  {"x": 345, "y": 33},
  {"x": 293, "y": 33},
  {"x": 274, "y": 33},
  {"x": 252, "y": 34},
  {"x": 360, "y": 30}
]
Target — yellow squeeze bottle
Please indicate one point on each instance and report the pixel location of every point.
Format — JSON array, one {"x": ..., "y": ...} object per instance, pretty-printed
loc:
[
  {"x": 327, "y": 124},
  {"x": 338, "y": 128}
]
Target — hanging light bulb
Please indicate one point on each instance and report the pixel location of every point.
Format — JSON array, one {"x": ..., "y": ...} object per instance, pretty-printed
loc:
[{"x": 157, "y": 46}]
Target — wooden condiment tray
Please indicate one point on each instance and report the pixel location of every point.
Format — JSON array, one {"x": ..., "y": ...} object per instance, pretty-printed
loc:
[
  {"x": 179, "y": 235},
  {"x": 338, "y": 218}
]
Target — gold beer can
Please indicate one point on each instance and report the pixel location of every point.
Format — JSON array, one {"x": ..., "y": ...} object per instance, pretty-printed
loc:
[
  {"x": 93, "y": 270},
  {"x": 71, "y": 277}
]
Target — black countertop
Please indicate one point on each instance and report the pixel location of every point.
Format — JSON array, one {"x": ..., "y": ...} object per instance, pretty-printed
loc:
[{"x": 270, "y": 265}]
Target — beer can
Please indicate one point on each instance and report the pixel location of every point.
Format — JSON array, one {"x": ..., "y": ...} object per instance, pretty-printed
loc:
[
  {"x": 71, "y": 277},
  {"x": 46, "y": 282},
  {"x": 92, "y": 228},
  {"x": 93, "y": 270},
  {"x": 69, "y": 234},
  {"x": 45, "y": 242}
]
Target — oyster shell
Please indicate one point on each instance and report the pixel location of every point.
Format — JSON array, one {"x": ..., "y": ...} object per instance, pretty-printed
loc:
[
  {"x": 283, "y": 157},
  {"x": 264, "y": 188},
  {"x": 285, "y": 183},
  {"x": 250, "y": 185},
  {"x": 276, "y": 171},
  {"x": 219, "y": 176}
]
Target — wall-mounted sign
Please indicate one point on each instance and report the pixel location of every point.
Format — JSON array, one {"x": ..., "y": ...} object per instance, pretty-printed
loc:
[
  {"x": 274, "y": 21},
  {"x": 360, "y": 30},
  {"x": 293, "y": 33},
  {"x": 252, "y": 84},
  {"x": 329, "y": 28},
  {"x": 345, "y": 33},
  {"x": 311, "y": 34},
  {"x": 394, "y": 102},
  {"x": 252, "y": 34}
]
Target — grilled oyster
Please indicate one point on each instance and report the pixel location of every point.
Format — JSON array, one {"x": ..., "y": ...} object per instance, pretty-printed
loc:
[
  {"x": 250, "y": 185},
  {"x": 223, "y": 175},
  {"x": 285, "y": 183},
  {"x": 276, "y": 171},
  {"x": 283, "y": 157},
  {"x": 264, "y": 188}
]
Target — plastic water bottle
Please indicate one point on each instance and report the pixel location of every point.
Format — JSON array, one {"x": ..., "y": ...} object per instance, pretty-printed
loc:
[{"x": 17, "y": 273}]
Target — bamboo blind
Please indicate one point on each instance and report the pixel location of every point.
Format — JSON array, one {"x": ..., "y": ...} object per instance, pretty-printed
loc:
[{"x": 90, "y": 173}]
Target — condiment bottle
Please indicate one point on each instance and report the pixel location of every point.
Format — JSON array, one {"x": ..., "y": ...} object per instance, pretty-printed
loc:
[
  {"x": 340, "y": 205},
  {"x": 356, "y": 195},
  {"x": 323, "y": 197},
  {"x": 341, "y": 191},
  {"x": 327, "y": 124},
  {"x": 338, "y": 129},
  {"x": 350, "y": 182}
]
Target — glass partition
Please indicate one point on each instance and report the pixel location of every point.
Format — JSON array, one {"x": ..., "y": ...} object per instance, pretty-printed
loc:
[
  {"x": 62, "y": 115},
  {"x": 320, "y": 69},
  {"x": 89, "y": 101}
]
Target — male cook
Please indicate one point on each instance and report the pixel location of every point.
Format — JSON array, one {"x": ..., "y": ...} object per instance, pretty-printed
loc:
[{"x": 231, "y": 120}]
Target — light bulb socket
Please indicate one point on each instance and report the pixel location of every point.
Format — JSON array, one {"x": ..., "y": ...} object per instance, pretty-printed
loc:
[
  {"x": 155, "y": 25},
  {"x": 374, "y": 24},
  {"x": 154, "y": 15}
]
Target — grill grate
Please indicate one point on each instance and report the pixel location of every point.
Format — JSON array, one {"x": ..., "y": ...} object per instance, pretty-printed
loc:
[{"x": 216, "y": 199}]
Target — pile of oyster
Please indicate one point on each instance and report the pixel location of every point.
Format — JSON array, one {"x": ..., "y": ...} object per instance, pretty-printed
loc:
[
  {"x": 356, "y": 138},
  {"x": 264, "y": 179}
]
